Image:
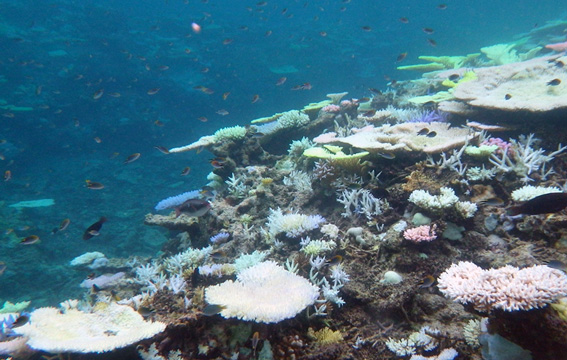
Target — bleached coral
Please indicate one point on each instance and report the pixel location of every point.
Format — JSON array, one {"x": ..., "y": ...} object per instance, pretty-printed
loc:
[
  {"x": 316, "y": 247},
  {"x": 176, "y": 200},
  {"x": 300, "y": 180},
  {"x": 435, "y": 203},
  {"x": 236, "y": 186},
  {"x": 292, "y": 224},
  {"x": 507, "y": 288},
  {"x": 256, "y": 295},
  {"x": 529, "y": 192},
  {"x": 87, "y": 258},
  {"x": 108, "y": 327},
  {"x": 471, "y": 332},
  {"x": 245, "y": 261},
  {"x": 361, "y": 201},
  {"x": 229, "y": 133},
  {"x": 187, "y": 260}
]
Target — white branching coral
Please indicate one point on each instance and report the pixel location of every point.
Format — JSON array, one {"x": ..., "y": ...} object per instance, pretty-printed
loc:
[
  {"x": 299, "y": 180},
  {"x": 108, "y": 327},
  {"x": 256, "y": 295},
  {"x": 445, "y": 200},
  {"x": 507, "y": 288},
  {"x": 361, "y": 201},
  {"x": 292, "y": 224}
]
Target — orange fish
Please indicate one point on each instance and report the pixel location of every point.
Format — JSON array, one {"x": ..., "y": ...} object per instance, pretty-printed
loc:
[
  {"x": 153, "y": 91},
  {"x": 132, "y": 158},
  {"x": 97, "y": 95},
  {"x": 7, "y": 175}
]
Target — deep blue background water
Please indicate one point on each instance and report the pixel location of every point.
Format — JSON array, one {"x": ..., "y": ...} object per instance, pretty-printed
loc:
[{"x": 107, "y": 46}]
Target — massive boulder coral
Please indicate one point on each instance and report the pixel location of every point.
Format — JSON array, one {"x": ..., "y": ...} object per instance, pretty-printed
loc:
[
  {"x": 406, "y": 137},
  {"x": 534, "y": 85}
]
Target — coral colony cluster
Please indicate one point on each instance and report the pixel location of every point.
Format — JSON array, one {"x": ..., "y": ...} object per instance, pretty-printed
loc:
[{"x": 404, "y": 226}]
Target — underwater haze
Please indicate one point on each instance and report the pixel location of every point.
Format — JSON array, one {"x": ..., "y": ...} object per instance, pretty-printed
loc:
[{"x": 86, "y": 84}]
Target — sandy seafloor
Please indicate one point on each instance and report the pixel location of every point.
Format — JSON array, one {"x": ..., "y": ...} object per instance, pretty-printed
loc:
[{"x": 343, "y": 220}]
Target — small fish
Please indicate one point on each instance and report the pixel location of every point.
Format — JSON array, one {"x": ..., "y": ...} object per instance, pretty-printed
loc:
[
  {"x": 423, "y": 131},
  {"x": 428, "y": 31},
  {"x": 225, "y": 95},
  {"x": 186, "y": 171},
  {"x": 64, "y": 224},
  {"x": 132, "y": 158},
  {"x": 323, "y": 33},
  {"x": 3, "y": 267},
  {"x": 97, "y": 140},
  {"x": 193, "y": 208},
  {"x": 427, "y": 281},
  {"x": 227, "y": 41},
  {"x": 162, "y": 149},
  {"x": 268, "y": 33},
  {"x": 94, "y": 185},
  {"x": 255, "y": 98},
  {"x": 442, "y": 6},
  {"x": 554, "y": 82},
  {"x": 404, "y": 20},
  {"x": 153, "y": 91},
  {"x": 95, "y": 289},
  {"x": 255, "y": 340},
  {"x": 202, "y": 119},
  {"x": 281, "y": 81},
  {"x": 222, "y": 112},
  {"x": 304, "y": 86},
  {"x": 145, "y": 311},
  {"x": 543, "y": 204},
  {"x": 163, "y": 67},
  {"x": 94, "y": 229},
  {"x": 211, "y": 310},
  {"x": 556, "y": 264},
  {"x": 20, "y": 321},
  {"x": 91, "y": 276},
  {"x": 495, "y": 201},
  {"x": 7, "y": 175},
  {"x": 98, "y": 94},
  {"x": 196, "y": 28},
  {"x": 30, "y": 240},
  {"x": 114, "y": 94},
  {"x": 369, "y": 113},
  {"x": 507, "y": 97},
  {"x": 258, "y": 135},
  {"x": 218, "y": 255},
  {"x": 387, "y": 155},
  {"x": 432, "y": 42},
  {"x": 335, "y": 260},
  {"x": 217, "y": 164},
  {"x": 401, "y": 57},
  {"x": 366, "y": 28},
  {"x": 431, "y": 134}
]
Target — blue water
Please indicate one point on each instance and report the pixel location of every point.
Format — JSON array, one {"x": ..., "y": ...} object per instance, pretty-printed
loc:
[{"x": 51, "y": 150}]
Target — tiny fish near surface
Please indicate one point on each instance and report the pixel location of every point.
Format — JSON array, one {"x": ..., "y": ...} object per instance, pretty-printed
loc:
[{"x": 543, "y": 204}]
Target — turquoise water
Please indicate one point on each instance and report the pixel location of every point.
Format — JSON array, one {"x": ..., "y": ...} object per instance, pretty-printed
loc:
[{"x": 56, "y": 55}]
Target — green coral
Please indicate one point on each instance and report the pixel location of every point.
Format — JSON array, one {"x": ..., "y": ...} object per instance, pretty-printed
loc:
[{"x": 14, "y": 308}]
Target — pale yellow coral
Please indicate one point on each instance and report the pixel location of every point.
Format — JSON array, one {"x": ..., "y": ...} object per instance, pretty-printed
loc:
[{"x": 325, "y": 336}]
